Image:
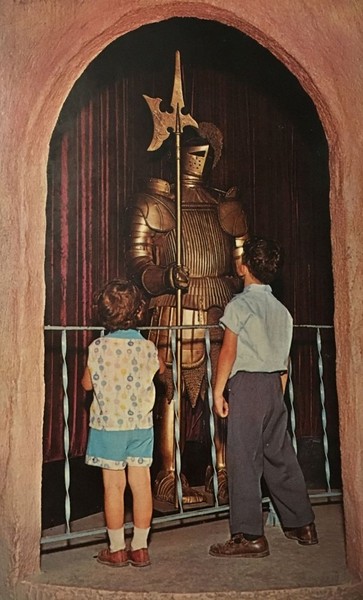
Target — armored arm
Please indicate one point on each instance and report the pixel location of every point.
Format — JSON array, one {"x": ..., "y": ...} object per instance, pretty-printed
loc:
[
  {"x": 233, "y": 221},
  {"x": 151, "y": 221}
]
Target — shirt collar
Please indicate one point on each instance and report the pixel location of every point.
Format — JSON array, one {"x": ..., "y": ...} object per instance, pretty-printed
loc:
[{"x": 258, "y": 287}]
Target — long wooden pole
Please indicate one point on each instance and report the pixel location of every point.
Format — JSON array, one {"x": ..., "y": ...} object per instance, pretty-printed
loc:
[{"x": 164, "y": 123}]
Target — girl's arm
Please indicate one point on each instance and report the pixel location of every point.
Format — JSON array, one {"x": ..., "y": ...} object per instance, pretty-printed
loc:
[{"x": 86, "y": 380}]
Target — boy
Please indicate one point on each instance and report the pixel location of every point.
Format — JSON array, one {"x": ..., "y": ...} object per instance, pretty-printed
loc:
[
  {"x": 254, "y": 360},
  {"x": 120, "y": 370}
]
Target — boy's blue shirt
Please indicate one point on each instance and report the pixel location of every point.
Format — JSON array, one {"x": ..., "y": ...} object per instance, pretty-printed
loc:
[{"x": 264, "y": 329}]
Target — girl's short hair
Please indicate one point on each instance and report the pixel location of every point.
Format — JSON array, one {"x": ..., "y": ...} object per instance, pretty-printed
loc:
[
  {"x": 263, "y": 257},
  {"x": 120, "y": 305}
]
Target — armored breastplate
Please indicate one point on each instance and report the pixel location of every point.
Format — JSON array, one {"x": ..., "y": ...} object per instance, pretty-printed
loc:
[{"x": 207, "y": 253}]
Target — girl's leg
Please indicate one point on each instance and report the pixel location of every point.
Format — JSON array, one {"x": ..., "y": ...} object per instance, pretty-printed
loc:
[
  {"x": 139, "y": 480},
  {"x": 140, "y": 484},
  {"x": 114, "y": 489}
]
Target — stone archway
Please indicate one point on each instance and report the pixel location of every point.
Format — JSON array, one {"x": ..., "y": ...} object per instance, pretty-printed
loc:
[{"x": 49, "y": 47}]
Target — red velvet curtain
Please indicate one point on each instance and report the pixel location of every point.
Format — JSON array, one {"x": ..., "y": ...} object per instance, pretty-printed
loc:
[
  {"x": 274, "y": 151},
  {"x": 85, "y": 246}
]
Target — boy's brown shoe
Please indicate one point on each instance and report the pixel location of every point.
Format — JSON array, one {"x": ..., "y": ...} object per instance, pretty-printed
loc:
[
  {"x": 239, "y": 547},
  {"x": 139, "y": 558},
  {"x": 306, "y": 535},
  {"x": 113, "y": 559}
]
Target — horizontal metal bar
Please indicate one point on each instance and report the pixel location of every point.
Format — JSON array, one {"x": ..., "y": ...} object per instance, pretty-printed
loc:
[
  {"x": 192, "y": 514},
  {"x": 157, "y": 520},
  {"x": 316, "y": 326},
  {"x": 147, "y": 328}
]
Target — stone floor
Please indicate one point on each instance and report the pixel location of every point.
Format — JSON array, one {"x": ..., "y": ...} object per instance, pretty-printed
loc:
[{"x": 182, "y": 569}]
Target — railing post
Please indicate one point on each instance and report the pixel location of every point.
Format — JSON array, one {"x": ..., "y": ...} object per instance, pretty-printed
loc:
[
  {"x": 292, "y": 406},
  {"x": 176, "y": 404},
  {"x": 211, "y": 417},
  {"x": 67, "y": 473},
  {"x": 323, "y": 410}
]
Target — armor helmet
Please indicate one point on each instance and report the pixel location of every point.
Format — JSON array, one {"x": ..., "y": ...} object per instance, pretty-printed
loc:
[
  {"x": 194, "y": 157},
  {"x": 201, "y": 152}
]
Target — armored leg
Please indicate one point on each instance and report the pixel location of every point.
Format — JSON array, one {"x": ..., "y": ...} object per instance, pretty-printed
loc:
[{"x": 165, "y": 482}]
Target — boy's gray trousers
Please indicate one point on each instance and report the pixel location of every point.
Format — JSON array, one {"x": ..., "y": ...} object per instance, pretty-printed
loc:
[{"x": 258, "y": 443}]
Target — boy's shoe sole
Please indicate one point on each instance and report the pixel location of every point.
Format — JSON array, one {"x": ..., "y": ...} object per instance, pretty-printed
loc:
[
  {"x": 239, "y": 547},
  {"x": 306, "y": 535}
]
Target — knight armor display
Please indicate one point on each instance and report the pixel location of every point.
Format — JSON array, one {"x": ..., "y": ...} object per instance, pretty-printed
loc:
[{"x": 213, "y": 231}]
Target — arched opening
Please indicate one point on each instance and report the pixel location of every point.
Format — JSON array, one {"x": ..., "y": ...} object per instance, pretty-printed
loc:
[{"x": 274, "y": 152}]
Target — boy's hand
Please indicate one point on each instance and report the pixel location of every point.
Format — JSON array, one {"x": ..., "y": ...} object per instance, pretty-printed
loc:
[{"x": 220, "y": 406}]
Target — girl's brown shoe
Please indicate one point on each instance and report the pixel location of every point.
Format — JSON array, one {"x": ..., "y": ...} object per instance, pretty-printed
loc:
[
  {"x": 113, "y": 559},
  {"x": 139, "y": 558}
]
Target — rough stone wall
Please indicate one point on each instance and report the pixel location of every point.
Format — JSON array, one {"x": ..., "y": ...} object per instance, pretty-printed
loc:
[{"x": 46, "y": 44}]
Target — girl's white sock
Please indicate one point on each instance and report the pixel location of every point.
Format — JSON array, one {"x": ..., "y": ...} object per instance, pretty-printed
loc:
[
  {"x": 117, "y": 539},
  {"x": 139, "y": 539}
]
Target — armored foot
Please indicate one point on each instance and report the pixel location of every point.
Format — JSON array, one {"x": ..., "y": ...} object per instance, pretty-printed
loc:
[
  {"x": 165, "y": 489},
  {"x": 222, "y": 484}
]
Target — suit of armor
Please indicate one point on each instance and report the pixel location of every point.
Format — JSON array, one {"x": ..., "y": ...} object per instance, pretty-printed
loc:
[{"x": 213, "y": 230}]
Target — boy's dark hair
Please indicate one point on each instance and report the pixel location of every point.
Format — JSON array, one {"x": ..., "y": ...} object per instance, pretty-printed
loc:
[
  {"x": 120, "y": 305},
  {"x": 263, "y": 257}
]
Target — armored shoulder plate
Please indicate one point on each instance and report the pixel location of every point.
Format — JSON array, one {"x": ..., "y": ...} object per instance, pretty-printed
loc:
[
  {"x": 157, "y": 205},
  {"x": 158, "y": 186},
  {"x": 231, "y": 214}
]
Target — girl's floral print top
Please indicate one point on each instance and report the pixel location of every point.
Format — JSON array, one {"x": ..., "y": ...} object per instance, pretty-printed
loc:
[{"x": 122, "y": 366}]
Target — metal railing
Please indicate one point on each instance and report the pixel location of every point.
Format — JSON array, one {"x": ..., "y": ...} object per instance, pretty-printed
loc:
[{"x": 200, "y": 512}]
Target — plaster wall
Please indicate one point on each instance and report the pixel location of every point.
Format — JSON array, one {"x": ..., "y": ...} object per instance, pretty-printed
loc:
[{"x": 46, "y": 45}]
